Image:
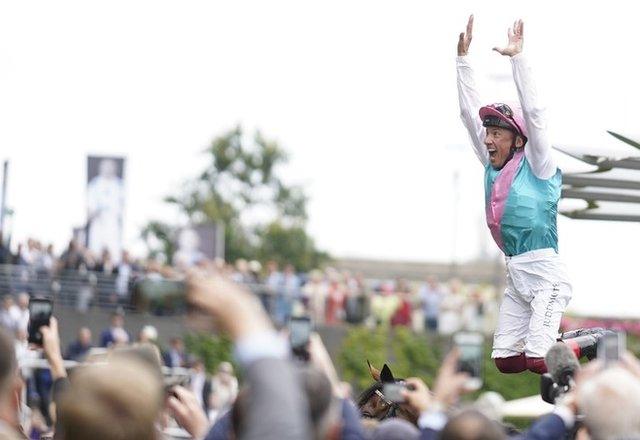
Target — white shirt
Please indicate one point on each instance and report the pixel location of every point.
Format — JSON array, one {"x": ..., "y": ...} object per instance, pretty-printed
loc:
[{"x": 538, "y": 147}]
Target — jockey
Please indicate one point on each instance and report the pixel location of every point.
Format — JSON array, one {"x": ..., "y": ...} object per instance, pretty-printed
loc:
[{"x": 522, "y": 189}]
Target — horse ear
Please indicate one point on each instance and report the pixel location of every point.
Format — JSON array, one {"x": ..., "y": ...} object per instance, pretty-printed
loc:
[
  {"x": 386, "y": 375},
  {"x": 375, "y": 373}
]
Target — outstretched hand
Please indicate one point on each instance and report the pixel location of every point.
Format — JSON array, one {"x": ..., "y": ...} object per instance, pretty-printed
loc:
[
  {"x": 516, "y": 39},
  {"x": 464, "y": 41}
]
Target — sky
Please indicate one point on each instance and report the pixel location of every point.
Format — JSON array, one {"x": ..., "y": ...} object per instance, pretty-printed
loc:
[{"x": 361, "y": 93}]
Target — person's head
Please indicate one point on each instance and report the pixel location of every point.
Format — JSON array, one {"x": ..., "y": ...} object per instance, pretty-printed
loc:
[
  {"x": 117, "y": 320},
  {"x": 198, "y": 365},
  {"x": 23, "y": 300},
  {"x": 289, "y": 269},
  {"x": 177, "y": 344},
  {"x": 225, "y": 368},
  {"x": 471, "y": 425},
  {"x": 506, "y": 131},
  {"x": 108, "y": 168},
  {"x": 324, "y": 410},
  {"x": 272, "y": 266},
  {"x": 84, "y": 336},
  {"x": 120, "y": 400},
  {"x": 148, "y": 333},
  {"x": 432, "y": 282},
  {"x": 7, "y": 302},
  {"x": 395, "y": 429},
  {"x": 607, "y": 401}
]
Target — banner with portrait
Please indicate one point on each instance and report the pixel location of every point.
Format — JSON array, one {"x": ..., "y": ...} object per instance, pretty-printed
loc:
[{"x": 105, "y": 205}]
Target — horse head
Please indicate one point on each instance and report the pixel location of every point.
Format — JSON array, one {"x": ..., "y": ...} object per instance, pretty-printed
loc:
[{"x": 373, "y": 404}]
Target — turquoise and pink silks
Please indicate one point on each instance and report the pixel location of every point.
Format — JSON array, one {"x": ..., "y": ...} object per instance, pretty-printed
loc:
[{"x": 521, "y": 208}]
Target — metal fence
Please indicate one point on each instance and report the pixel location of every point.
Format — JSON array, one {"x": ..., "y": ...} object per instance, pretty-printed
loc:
[{"x": 78, "y": 288}]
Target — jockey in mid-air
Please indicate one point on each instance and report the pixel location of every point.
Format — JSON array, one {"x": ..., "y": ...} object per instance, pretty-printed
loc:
[{"x": 522, "y": 187}]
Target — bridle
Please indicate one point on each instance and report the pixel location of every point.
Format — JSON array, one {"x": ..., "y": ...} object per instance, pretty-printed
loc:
[{"x": 392, "y": 406}]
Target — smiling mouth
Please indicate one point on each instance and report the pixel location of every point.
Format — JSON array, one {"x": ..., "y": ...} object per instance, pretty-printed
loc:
[{"x": 492, "y": 152}]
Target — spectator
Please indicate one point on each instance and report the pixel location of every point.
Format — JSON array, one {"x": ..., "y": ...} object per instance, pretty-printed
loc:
[
  {"x": 262, "y": 354},
  {"x": 9, "y": 314},
  {"x": 116, "y": 332},
  {"x": 610, "y": 402},
  {"x": 119, "y": 400},
  {"x": 384, "y": 305},
  {"x": 71, "y": 258},
  {"x": 200, "y": 384},
  {"x": 175, "y": 357},
  {"x": 49, "y": 259},
  {"x": 10, "y": 387},
  {"x": 336, "y": 295},
  {"x": 22, "y": 311},
  {"x": 225, "y": 386},
  {"x": 402, "y": 315},
  {"x": 125, "y": 271},
  {"x": 451, "y": 309},
  {"x": 81, "y": 346},
  {"x": 148, "y": 334},
  {"x": 430, "y": 297},
  {"x": 315, "y": 292}
]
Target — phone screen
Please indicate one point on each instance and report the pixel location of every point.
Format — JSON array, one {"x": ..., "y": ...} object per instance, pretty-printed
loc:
[
  {"x": 470, "y": 361},
  {"x": 611, "y": 346},
  {"x": 299, "y": 332},
  {"x": 40, "y": 311},
  {"x": 393, "y": 392}
]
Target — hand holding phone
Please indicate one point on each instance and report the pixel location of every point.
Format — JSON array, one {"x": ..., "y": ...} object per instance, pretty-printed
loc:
[{"x": 40, "y": 311}]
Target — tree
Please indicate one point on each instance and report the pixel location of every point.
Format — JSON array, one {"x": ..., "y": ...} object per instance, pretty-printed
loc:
[{"x": 239, "y": 185}]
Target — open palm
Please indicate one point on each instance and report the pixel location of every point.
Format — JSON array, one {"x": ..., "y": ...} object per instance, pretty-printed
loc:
[{"x": 516, "y": 39}]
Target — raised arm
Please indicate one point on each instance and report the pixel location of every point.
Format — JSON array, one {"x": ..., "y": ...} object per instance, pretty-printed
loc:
[
  {"x": 468, "y": 96},
  {"x": 538, "y": 148}
]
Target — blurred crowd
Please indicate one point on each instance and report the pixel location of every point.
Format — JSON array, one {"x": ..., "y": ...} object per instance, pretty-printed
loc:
[
  {"x": 328, "y": 296},
  {"x": 214, "y": 393},
  {"x": 132, "y": 390}
]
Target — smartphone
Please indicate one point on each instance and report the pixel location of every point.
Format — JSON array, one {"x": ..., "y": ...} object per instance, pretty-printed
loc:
[
  {"x": 299, "y": 331},
  {"x": 393, "y": 391},
  {"x": 611, "y": 346},
  {"x": 471, "y": 348},
  {"x": 40, "y": 311},
  {"x": 162, "y": 295}
]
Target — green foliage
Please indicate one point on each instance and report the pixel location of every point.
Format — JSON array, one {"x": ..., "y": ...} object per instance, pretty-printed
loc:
[
  {"x": 211, "y": 349},
  {"x": 417, "y": 354},
  {"x": 241, "y": 179},
  {"x": 289, "y": 244}
]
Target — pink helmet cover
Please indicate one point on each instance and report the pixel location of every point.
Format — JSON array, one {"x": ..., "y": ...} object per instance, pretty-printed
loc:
[{"x": 509, "y": 114}]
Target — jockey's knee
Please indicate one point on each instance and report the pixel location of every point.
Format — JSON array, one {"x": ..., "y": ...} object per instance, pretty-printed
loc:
[{"x": 511, "y": 364}]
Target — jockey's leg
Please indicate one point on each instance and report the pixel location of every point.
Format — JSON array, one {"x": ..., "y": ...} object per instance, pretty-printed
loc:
[
  {"x": 512, "y": 328},
  {"x": 511, "y": 364},
  {"x": 547, "y": 306}
]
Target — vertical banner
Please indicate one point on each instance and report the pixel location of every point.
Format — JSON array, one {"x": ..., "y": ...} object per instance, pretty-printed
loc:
[{"x": 105, "y": 205}]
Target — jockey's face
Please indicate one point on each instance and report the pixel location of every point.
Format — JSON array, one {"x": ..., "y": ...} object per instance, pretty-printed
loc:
[{"x": 499, "y": 142}]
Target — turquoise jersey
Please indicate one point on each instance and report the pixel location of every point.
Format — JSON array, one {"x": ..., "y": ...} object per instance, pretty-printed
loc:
[{"x": 521, "y": 208}]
